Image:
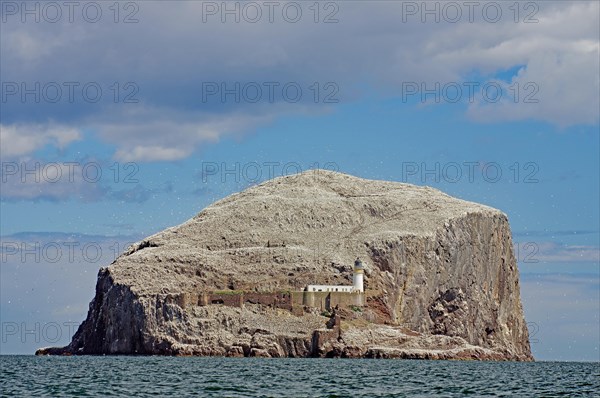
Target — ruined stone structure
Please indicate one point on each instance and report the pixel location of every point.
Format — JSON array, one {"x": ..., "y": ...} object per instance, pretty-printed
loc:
[
  {"x": 291, "y": 301},
  {"x": 295, "y": 302},
  {"x": 329, "y": 300}
]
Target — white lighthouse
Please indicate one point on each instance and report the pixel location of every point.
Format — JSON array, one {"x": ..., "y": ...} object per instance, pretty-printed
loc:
[
  {"x": 357, "y": 278},
  {"x": 328, "y": 296},
  {"x": 357, "y": 283}
]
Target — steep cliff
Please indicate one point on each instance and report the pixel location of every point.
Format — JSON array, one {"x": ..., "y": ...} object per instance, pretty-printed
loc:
[{"x": 441, "y": 278}]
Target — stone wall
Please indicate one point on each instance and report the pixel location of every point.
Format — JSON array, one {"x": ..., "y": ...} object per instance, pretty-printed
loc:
[
  {"x": 284, "y": 300},
  {"x": 291, "y": 301},
  {"x": 328, "y": 300},
  {"x": 229, "y": 299}
]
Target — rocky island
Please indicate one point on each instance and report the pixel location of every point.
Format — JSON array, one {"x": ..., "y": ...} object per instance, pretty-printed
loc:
[{"x": 440, "y": 278}]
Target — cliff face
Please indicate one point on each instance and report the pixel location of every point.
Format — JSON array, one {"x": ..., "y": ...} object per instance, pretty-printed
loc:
[{"x": 441, "y": 278}]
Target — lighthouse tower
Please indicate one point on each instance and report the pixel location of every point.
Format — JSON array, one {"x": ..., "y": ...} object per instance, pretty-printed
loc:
[{"x": 357, "y": 278}]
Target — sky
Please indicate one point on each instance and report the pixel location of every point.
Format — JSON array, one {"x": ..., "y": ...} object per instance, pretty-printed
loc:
[{"x": 119, "y": 119}]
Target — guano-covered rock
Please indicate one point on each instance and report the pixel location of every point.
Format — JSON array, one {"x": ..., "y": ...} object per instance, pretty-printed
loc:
[{"x": 441, "y": 280}]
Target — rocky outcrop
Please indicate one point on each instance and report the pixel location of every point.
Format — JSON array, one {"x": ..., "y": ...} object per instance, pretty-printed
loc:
[{"x": 441, "y": 277}]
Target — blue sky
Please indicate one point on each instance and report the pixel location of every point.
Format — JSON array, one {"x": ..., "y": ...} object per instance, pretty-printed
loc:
[{"x": 196, "y": 105}]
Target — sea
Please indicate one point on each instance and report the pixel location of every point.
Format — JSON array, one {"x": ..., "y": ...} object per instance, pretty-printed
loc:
[{"x": 100, "y": 376}]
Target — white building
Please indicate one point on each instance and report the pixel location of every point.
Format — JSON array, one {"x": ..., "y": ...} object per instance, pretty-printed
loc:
[{"x": 357, "y": 282}]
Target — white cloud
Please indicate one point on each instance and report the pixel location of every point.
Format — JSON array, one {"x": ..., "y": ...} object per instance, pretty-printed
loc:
[
  {"x": 530, "y": 252},
  {"x": 560, "y": 87},
  {"x": 151, "y": 154},
  {"x": 556, "y": 252},
  {"x": 37, "y": 180},
  {"x": 172, "y": 51},
  {"x": 22, "y": 139},
  {"x": 161, "y": 134}
]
